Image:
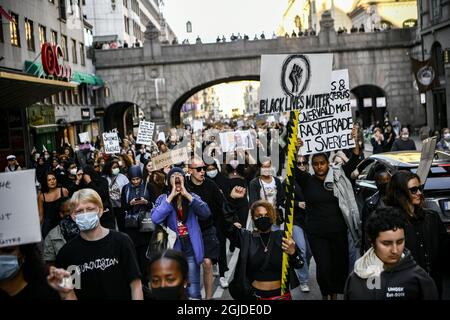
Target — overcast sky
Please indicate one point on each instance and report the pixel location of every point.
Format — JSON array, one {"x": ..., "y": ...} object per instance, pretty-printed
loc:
[{"x": 211, "y": 18}]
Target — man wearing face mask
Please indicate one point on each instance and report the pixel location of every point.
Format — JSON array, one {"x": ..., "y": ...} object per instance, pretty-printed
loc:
[
  {"x": 444, "y": 143},
  {"x": 269, "y": 188},
  {"x": 105, "y": 259},
  {"x": 404, "y": 142},
  {"x": 22, "y": 274},
  {"x": 382, "y": 178},
  {"x": 116, "y": 182}
]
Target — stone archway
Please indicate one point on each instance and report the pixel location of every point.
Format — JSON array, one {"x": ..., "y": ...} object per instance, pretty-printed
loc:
[
  {"x": 175, "y": 109},
  {"x": 119, "y": 115}
]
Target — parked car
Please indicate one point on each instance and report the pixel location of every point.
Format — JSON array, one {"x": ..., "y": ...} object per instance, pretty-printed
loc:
[{"x": 437, "y": 186}]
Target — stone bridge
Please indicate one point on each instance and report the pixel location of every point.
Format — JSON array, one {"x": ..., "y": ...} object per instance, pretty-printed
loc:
[{"x": 159, "y": 78}]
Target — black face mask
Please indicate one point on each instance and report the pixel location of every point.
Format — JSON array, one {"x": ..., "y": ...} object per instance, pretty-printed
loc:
[
  {"x": 382, "y": 188},
  {"x": 167, "y": 293},
  {"x": 263, "y": 224}
]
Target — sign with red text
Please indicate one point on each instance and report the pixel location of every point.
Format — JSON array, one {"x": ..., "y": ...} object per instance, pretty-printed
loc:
[{"x": 52, "y": 57}]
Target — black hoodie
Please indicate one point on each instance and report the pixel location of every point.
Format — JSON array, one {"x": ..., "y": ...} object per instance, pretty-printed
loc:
[{"x": 405, "y": 281}]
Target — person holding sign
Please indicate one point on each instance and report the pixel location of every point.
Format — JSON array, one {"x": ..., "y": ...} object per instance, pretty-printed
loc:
[
  {"x": 258, "y": 270},
  {"x": 22, "y": 274},
  {"x": 180, "y": 210},
  {"x": 330, "y": 218}
]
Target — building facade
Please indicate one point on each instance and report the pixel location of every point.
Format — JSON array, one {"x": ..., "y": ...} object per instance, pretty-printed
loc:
[
  {"x": 372, "y": 15},
  {"x": 125, "y": 21},
  {"x": 61, "y": 116},
  {"x": 434, "y": 23}
]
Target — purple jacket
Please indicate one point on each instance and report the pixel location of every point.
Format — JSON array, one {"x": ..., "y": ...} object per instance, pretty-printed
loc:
[{"x": 164, "y": 213}]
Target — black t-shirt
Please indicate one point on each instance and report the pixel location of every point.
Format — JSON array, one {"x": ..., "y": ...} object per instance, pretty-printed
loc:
[
  {"x": 35, "y": 290},
  {"x": 107, "y": 266},
  {"x": 211, "y": 195},
  {"x": 322, "y": 208}
]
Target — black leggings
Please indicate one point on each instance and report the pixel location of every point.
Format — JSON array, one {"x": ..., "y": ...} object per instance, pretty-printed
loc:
[
  {"x": 223, "y": 265},
  {"x": 330, "y": 252}
]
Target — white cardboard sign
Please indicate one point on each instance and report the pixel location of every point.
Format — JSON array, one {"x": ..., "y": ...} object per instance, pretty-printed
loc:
[
  {"x": 232, "y": 140},
  {"x": 19, "y": 219},
  {"x": 84, "y": 137},
  {"x": 292, "y": 82},
  {"x": 145, "y": 133},
  {"x": 328, "y": 126},
  {"x": 111, "y": 142}
]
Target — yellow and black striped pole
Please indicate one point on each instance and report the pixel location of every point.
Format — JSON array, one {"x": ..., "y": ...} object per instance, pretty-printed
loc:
[{"x": 292, "y": 131}]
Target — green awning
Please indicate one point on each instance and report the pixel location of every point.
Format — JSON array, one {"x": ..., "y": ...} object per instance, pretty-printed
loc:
[
  {"x": 36, "y": 69},
  {"x": 46, "y": 128},
  {"x": 87, "y": 78}
]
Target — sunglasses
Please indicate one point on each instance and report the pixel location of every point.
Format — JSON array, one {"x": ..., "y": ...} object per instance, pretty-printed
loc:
[
  {"x": 414, "y": 190},
  {"x": 200, "y": 169},
  {"x": 302, "y": 163}
]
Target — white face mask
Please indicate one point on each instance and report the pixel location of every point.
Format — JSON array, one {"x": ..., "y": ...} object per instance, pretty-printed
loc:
[
  {"x": 447, "y": 136},
  {"x": 73, "y": 171},
  {"x": 234, "y": 164},
  {"x": 115, "y": 171},
  {"x": 120, "y": 163},
  {"x": 87, "y": 221},
  {"x": 266, "y": 171},
  {"x": 405, "y": 136},
  {"x": 212, "y": 174}
]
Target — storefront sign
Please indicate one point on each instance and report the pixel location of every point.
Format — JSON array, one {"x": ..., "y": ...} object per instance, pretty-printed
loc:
[
  {"x": 52, "y": 57},
  {"x": 99, "y": 112},
  {"x": 85, "y": 113}
]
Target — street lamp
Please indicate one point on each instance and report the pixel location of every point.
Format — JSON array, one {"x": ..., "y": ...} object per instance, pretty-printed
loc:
[
  {"x": 298, "y": 23},
  {"x": 188, "y": 27}
]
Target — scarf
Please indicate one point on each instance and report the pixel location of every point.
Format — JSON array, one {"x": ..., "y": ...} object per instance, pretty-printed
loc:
[{"x": 369, "y": 265}]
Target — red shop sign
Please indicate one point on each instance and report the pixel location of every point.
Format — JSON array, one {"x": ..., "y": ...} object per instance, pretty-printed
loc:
[{"x": 52, "y": 67}]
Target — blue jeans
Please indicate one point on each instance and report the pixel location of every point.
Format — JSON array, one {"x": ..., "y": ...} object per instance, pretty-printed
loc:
[
  {"x": 193, "y": 289},
  {"x": 302, "y": 243}
]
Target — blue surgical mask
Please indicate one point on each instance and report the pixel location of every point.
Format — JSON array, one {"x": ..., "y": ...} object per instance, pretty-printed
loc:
[
  {"x": 87, "y": 221},
  {"x": 9, "y": 266}
]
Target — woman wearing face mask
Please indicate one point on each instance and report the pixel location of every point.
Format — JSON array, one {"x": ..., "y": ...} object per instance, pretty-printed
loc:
[
  {"x": 116, "y": 182},
  {"x": 388, "y": 264},
  {"x": 65, "y": 231},
  {"x": 267, "y": 187},
  {"x": 50, "y": 199},
  {"x": 168, "y": 274},
  {"x": 105, "y": 258},
  {"x": 180, "y": 210},
  {"x": 258, "y": 270},
  {"x": 426, "y": 235},
  {"x": 404, "y": 142},
  {"x": 71, "y": 181},
  {"x": 23, "y": 274},
  {"x": 444, "y": 143}
]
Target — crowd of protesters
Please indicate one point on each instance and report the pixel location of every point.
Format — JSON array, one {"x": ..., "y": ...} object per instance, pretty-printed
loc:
[{"x": 92, "y": 208}]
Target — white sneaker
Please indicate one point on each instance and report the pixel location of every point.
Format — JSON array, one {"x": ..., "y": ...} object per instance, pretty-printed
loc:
[
  {"x": 223, "y": 282},
  {"x": 304, "y": 287},
  {"x": 215, "y": 270}
]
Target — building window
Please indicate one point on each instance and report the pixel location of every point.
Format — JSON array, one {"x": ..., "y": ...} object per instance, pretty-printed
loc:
[
  {"x": 62, "y": 10},
  {"x": 64, "y": 47},
  {"x": 82, "y": 55},
  {"x": 29, "y": 32},
  {"x": 42, "y": 35},
  {"x": 127, "y": 25},
  {"x": 74, "y": 51},
  {"x": 54, "y": 37},
  {"x": 435, "y": 10},
  {"x": 14, "y": 30}
]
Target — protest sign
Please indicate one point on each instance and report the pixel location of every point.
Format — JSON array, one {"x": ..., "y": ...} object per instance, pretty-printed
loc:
[
  {"x": 232, "y": 140},
  {"x": 426, "y": 158},
  {"x": 197, "y": 125},
  {"x": 328, "y": 126},
  {"x": 84, "y": 137},
  {"x": 145, "y": 133},
  {"x": 19, "y": 219},
  {"x": 111, "y": 142},
  {"x": 293, "y": 82},
  {"x": 170, "y": 158}
]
